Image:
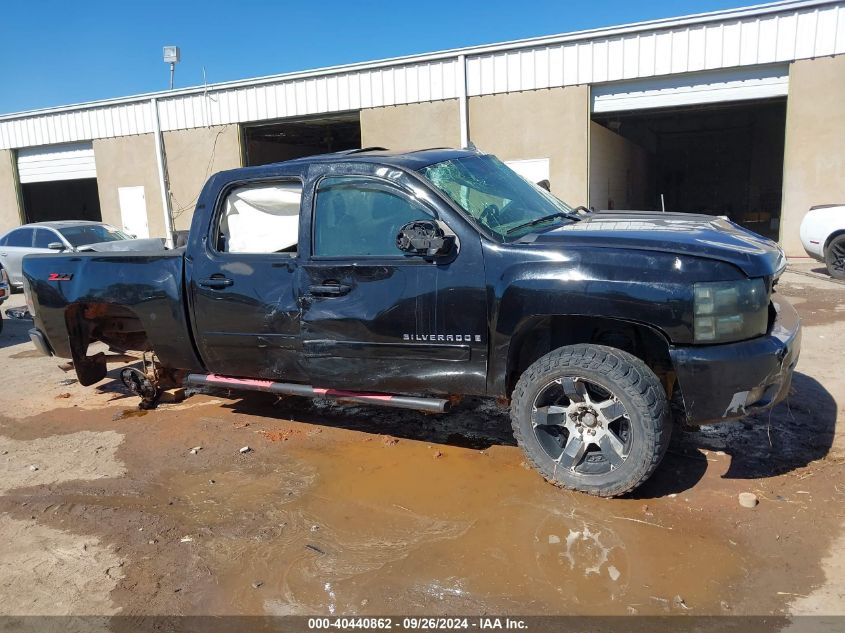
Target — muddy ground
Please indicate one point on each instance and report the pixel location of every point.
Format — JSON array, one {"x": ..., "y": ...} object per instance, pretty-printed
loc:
[{"x": 358, "y": 510}]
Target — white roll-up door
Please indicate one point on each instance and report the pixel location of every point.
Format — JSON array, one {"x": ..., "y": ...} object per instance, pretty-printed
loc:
[
  {"x": 739, "y": 84},
  {"x": 56, "y": 162}
]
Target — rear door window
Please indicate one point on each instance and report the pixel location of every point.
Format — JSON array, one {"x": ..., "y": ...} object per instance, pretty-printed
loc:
[
  {"x": 21, "y": 237},
  {"x": 261, "y": 218}
]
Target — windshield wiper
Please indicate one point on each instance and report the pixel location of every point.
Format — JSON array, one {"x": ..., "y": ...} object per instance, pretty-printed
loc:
[{"x": 545, "y": 218}]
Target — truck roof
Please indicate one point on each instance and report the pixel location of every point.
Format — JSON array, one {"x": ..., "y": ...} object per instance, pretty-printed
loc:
[{"x": 413, "y": 159}]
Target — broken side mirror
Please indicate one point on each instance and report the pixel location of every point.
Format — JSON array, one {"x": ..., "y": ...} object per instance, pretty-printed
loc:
[{"x": 425, "y": 238}]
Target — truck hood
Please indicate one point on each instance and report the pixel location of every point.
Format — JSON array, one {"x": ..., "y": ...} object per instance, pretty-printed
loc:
[
  {"x": 678, "y": 233},
  {"x": 148, "y": 244}
]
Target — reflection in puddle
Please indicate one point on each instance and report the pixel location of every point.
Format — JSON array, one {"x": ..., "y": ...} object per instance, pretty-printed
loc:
[
  {"x": 590, "y": 558},
  {"x": 355, "y": 529}
]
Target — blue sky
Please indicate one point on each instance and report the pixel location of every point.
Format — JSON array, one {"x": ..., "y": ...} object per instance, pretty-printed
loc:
[{"x": 56, "y": 52}]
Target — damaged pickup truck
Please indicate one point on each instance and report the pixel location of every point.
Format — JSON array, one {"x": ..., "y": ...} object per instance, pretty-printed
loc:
[{"x": 406, "y": 279}]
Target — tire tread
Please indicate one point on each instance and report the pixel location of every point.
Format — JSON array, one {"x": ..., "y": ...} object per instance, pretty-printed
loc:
[{"x": 631, "y": 374}]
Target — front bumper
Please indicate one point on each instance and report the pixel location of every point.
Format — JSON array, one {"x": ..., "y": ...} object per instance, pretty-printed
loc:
[{"x": 725, "y": 382}]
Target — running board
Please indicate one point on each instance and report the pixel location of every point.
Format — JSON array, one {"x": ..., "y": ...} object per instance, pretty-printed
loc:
[{"x": 432, "y": 405}]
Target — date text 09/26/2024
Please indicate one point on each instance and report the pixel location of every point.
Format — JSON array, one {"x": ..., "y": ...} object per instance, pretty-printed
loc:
[{"x": 417, "y": 623}]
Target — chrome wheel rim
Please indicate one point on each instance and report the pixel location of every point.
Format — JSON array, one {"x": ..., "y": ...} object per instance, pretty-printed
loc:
[{"x": 581, "y": 426}]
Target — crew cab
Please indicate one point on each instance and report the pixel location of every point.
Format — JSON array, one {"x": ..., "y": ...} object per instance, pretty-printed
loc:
[{"x": 407, "y": 279}]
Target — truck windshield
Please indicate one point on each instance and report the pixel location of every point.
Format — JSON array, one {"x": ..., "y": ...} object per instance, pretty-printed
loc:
[{"x": 496, "y": 197}]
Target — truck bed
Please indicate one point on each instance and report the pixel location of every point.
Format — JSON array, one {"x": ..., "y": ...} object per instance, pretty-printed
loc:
[{"x": 146, "y": 285}]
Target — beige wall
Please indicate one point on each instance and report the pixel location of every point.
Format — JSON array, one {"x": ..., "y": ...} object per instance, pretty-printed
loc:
[
  {"x": 128, "y": 161},
  {"x": 551, "y": 124},
  {"x": 814, "y": 158},
  {"x": 10, "y": 212},
  {"x": 412, "y": 126},
  {"x": 619, "y": 171},
  {"x": 193, "y": 156}
]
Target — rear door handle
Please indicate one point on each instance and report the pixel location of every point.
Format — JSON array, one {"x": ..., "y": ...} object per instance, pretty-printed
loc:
[
  {"x": 329, "y": 290},
  {"x": 217, "y": 283}
]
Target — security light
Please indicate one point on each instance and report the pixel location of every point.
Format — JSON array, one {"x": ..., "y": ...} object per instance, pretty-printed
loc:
[{"x": 171, "y": 56}]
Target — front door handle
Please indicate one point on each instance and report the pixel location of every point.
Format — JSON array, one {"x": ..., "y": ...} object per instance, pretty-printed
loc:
[
  {"x": 217, "y": 283},
  {"x": 329, "y": 290}
]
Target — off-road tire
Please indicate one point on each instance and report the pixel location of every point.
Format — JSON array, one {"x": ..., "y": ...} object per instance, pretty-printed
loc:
[
  {"x": 832, "y": 255},
  {"x": 628, "y": 379}
]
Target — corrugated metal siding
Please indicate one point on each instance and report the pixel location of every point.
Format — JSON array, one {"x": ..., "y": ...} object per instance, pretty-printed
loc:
[
  {"x": 812, "y": 32},
  {"x": 753, "y": 37},
  {"x": 331, "y": 93}
]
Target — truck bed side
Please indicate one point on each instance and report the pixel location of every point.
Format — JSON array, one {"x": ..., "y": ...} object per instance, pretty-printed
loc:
[{"x": 128, "y": 300}]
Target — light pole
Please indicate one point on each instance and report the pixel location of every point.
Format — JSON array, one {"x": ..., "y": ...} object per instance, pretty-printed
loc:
[{"x": 171, "y": 56}]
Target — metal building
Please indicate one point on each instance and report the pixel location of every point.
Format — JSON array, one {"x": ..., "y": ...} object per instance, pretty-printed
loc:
[{"x": 735, "y": 112}]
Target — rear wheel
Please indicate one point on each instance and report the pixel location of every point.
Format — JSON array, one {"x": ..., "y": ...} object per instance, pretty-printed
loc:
[
  {"x": 591, "y": 418},
  {"x": 834, "y": 257}
]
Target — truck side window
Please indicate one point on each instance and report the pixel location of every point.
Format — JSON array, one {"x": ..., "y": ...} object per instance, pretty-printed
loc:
[
  {"x": 261, "y": 218},
  {"x": 355, "y": 216}
]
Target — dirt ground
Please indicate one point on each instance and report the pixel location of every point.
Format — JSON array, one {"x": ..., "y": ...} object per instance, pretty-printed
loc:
[{"x": 356, "y": 510}]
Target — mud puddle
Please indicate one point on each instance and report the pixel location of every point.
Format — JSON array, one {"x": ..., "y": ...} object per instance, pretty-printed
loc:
[
  {"x": 397, "y": 529},
  {"x": 330, "y": 513}
]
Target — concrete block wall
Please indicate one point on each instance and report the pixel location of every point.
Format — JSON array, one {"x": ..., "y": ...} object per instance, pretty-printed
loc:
[
  {"x": 10, "y": 212},
  {"x": 412, "y": 126},
  {"x": 128, "y": 161},
  {"x": 551, "y": 124},
  {"x": 193, "y": 156},
  {"x": 814, "y": 156}
]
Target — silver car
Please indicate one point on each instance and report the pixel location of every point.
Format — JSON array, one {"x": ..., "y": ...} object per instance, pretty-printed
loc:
[
  {"x": 69, "y": 235},
  {"x": 5, "y": 291}
]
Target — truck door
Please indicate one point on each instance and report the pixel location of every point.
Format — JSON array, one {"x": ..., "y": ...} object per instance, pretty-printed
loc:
[
  {"x": 243, "y": 282},
  {"x": 375, "y": 318}
]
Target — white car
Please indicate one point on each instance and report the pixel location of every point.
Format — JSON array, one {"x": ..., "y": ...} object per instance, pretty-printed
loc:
[{"x": 823, "y": 236}]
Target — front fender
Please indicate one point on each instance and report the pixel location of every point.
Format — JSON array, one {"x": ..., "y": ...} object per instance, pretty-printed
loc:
[{"x": 651, "y": 289}]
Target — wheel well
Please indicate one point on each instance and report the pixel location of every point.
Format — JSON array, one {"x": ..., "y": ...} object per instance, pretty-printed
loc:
[
  {"x": 832, "y": 237},
  {"x": 540, "y": 335},
  {"x": 116, "y": 326}
]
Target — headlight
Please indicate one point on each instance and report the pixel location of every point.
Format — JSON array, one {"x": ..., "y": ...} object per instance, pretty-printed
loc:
[{"x": 730, "y": 310}]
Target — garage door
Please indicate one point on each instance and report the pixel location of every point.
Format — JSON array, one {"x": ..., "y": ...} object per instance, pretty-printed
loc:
[
  {"x": 692, "y": 88},
  {"x": 56, "y": 162}
]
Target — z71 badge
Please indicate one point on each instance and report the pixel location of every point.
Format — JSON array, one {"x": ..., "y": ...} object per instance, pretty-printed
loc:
[{"x": 60, "y": 277}]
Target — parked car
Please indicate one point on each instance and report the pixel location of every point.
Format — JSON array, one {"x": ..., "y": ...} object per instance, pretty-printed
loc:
[
  {"x": 823, "y": 236},
  {"x": 5, "y": 290},
  {"x": 69, "y": 235},
  {"x": 407, "y": 279}
]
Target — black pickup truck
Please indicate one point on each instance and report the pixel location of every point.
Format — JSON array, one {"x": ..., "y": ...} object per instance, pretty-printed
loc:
[{"x": 407, "y": 279}]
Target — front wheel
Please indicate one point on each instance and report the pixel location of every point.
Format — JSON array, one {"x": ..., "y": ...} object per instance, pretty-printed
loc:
[
  {"x": 591, "y": 418},
  {"x": 834, "y": 257}
]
